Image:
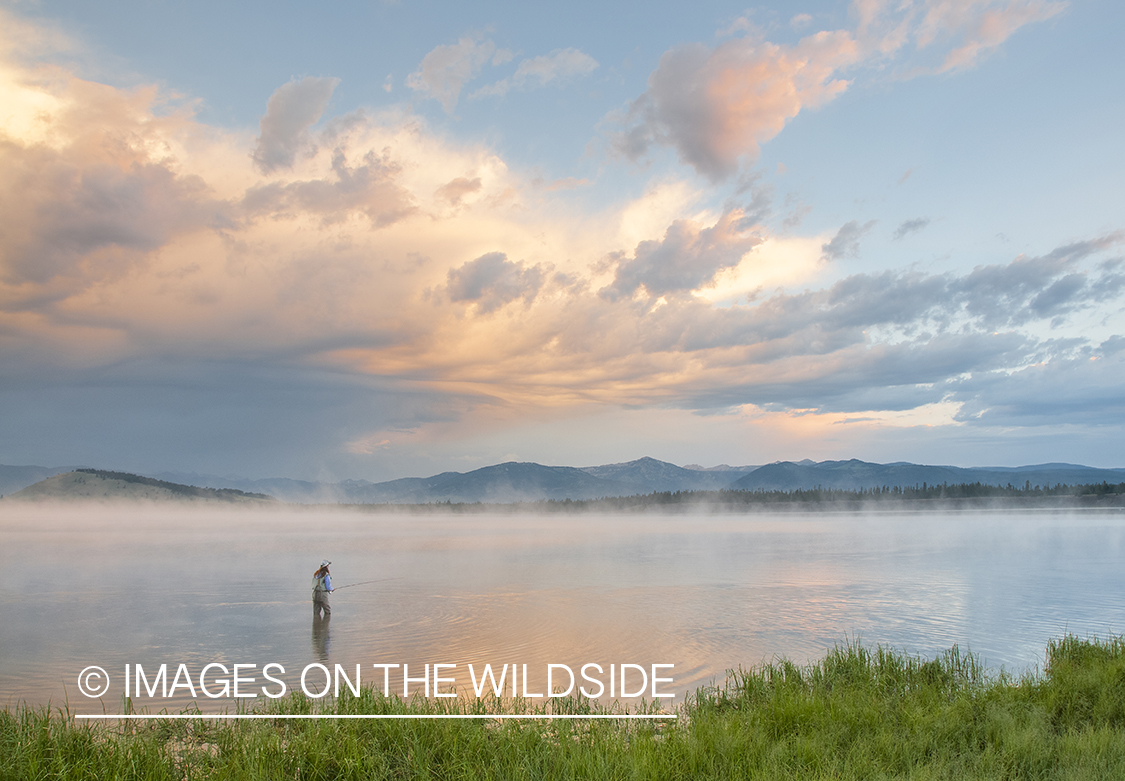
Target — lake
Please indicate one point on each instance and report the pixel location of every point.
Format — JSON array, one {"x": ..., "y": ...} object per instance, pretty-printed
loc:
[{"x": 706, "y": 593}]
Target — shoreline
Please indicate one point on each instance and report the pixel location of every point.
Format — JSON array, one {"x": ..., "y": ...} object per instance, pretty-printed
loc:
[
  {"x": 1112, "y": 505},
  {"x": 858, "y": 712}
]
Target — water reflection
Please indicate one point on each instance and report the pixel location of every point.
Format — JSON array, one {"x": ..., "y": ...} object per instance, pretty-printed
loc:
[{"x": 320, "y": 636}]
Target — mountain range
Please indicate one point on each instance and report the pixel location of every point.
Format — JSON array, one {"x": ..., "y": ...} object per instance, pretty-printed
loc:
[{"x": 516, "y": 482}]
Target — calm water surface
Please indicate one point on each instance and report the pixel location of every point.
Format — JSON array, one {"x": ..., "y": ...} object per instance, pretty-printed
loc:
[{"x": 707, "y": 593}]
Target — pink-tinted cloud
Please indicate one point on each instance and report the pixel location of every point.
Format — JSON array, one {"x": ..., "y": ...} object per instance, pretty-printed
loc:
[
  {"x": 716, "y": 106},
  {"x": 980, "y": 25}
]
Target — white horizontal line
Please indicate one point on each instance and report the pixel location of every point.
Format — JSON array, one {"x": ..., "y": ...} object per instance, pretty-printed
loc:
[{"x": 376, "y": 716}]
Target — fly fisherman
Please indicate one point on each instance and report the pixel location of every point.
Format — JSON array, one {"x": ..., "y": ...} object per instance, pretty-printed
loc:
[{"x": 322, "y": 587}]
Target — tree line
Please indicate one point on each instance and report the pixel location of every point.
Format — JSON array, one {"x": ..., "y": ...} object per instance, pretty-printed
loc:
[{"x": 821, "y": 495}]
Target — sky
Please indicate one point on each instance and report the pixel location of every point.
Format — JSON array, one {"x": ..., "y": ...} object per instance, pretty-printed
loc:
[{"x": 371, "y": 240}]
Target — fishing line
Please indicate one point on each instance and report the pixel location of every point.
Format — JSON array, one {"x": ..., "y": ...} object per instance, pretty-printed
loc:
[{"x": 365, "y": 582}]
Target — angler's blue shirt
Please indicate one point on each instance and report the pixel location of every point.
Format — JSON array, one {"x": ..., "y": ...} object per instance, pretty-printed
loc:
[{"x": 327, "y": 582}]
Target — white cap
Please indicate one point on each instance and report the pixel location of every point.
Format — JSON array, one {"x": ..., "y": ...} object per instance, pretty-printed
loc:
[{"x": 325, "y": 563}]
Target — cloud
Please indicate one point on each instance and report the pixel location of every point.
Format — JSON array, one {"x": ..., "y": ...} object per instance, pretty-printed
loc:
[
  {"x": 144, "y": 256},
  {"x": 845, "y": 244},
  {"x": 185, "y": 255},
  {"x": 491, "y": 281},
  {"x": 910, "y": 226},
  {"x": 292, "y": 109},
  {"x": 800, "y": 21},
  {"x": 65, "y": 218},
  {"x": 1059, "y": 297},
  {"x": 444, "y": 71},
  {"x": 125, "y": 221},
  {"x": 559, "y": 65},
  {"x": 1075, "y": 387},
  {"x": 88, "y": 184},
  {"x": 795, "y": 217},
  {"x": 456, "y": 189},
  {"x": 686, "y": 258},
  {"x": 369, "y": 187},
  {"x": 978, "y": 26},
  {"x": 1033, "y": 287},
  {"x": 716, "y": 106},
  {"x": 895, "y": 339}
]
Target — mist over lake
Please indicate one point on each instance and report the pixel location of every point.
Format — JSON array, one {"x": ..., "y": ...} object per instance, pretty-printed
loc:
[{"x": 707, "y": 593}]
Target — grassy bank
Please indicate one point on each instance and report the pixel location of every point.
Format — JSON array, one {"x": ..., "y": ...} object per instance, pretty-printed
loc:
[{"x": 859, "y": 713}]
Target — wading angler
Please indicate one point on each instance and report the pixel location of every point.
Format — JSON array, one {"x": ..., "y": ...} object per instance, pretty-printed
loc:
[{"x": 321, "y": 588}]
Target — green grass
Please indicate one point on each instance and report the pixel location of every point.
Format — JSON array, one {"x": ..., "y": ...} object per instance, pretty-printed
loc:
[{"x": 859, "y": 713}]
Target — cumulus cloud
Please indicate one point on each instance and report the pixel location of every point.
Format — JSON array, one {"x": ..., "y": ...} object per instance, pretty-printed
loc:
[
  {"x": 845, "y": 244},
  {"x": 910, "y": 226},
  {"x": 369, "y": 187},
  {"x": 65, "y": 216},
  {"x": 88, "y": 187},
  {"x": 444, "y": 71},
  {"x": 491, "y": 281},
  {"x": 291, "y": 111},
  {"x": 536, "y": 72},
  {"x": 124, "y": 220},
  {"x": 716, "y": 106},
  {"x": 686, "y": 258}
]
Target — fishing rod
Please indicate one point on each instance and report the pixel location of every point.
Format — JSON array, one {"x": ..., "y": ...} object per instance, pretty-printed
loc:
[{"x": 365, "y": 582}]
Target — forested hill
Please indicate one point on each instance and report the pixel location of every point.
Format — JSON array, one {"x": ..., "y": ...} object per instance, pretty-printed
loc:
[{"x": 100, "y": 485}]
